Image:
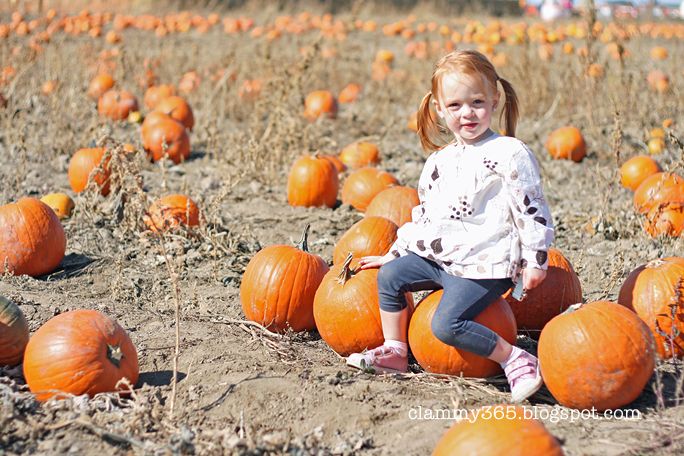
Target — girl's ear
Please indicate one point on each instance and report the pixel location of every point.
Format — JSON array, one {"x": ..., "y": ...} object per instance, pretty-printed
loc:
[
  {"x": 438, "y": 109},
  {"x": 496, "y": 100}
]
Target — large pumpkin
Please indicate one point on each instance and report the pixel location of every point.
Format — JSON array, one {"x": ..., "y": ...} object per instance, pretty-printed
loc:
[
  {"x": 560, "y": 289},
  {"x": 82, "y": 165},
  {"x": 498, "y": 430},
  {"x": 369, "y": 236},
  {"x": 598, "y": 355},
  {"x": 658, "y": 188},
  {"x": 395, "y": 204},
  {"x": 360, "y": 154},
  {"x": 655, "y": 291},
  {"x": 636, "y": 169},
  {"x": 14, "y": 333},
  {"x": 32, "y": 239},
  {"x": 363, "y": 185},
  {"x": 166, "y": 137},
  {"x": 347, "y": 310},
  {"x": 312, "y": 181},
  {"x": 437, "y": 357},
  {"x": 171, "y": 211},
  {"x": 279, "y": 284},
  {"x": 79, "y": 352},
  {"x": 566, "y": 143},
  {"x": 177, "y": 108}
]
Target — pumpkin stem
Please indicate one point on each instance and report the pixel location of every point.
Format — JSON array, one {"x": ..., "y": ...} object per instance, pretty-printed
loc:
[
  {"x": 346, "y": 272},
  {"x": 114, "y": 354},
  {"x": 302, "y": 244},
  {"x": 573, "y": 308}
]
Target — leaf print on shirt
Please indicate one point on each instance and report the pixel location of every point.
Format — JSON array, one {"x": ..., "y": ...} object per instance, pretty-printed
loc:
[
  {"x": 541, "y": 257},
  {"x": 435, "y": 174},
  {"x": 541, "y": 220},
  {"x": 420, "y": 244},
  {"x": 436, "y": 246}
]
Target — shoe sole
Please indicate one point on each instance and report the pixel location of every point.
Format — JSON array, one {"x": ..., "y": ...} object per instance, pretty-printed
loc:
[
  {"x": 533, "y": 388},
  {"x": 374, "y": 369}
]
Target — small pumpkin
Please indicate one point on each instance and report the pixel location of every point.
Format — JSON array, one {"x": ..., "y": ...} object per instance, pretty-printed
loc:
[
  {"x": 79, "y": 352},
  {"x": 312, "y": 181},
  {"x": 14, "y": 333},
  {"x": 435, "y": 356},
  {"x": 498, "y": 430},
  {"x": 658, "y": 188},
  {"x": 560, "y": 289},
  {"x": 117, "y": 104},
  {"x": 166, "y": 137},
  {"x": 347, "y": 310},
  {"x": 359, "y": 154},
  {"x": 279, "y": 285},
  {"x": 350, "y": 93},
  {"x": 665, "y": 220},
  {"x": 154, "y": 94},
  {"x": 655, "y": 291},
  {"x": 655, "y": 145},
  {"x": 320, "y": 103},
  {"x": 566, "y": 143},
  {"x": 61, "y": 203},
  {"x": 99, "y": 85},
  {"x": 636, "y": 169},
  {"x": 395, "y": 204},
  {"x": 369, "y": 236},
  {"x": 84, "y": 163},
  {"x": 177, "y": 108},
  {"x": 172, "y": 211},
  {"x": 362, "y": 185},
  {"x": 337, "y": 163},
  {"x": 576, "y": 366},
  {"x": 32, "y": 239}
]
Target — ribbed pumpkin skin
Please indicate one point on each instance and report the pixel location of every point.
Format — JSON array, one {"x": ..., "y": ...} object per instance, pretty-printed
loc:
[
  {"x": 437, "y": 357},
  {"x": 348, "y": 315},
  {"x": 169, "y": 132},
  {"x": 560, "y": 289},
  {"x": 363, "y": 185},
  {"x": 69, "y": 354},
  {"x": 665, "y": 220},
  {"x": 14, "y": 333},
  {"x": 369, "y": 236},
  {"x": 32, "y": 240},
  {"x": 600, "y": 355},
  {"x": 486, "y": 435},
  {"x": 171, "y": 211},
  {"x": 636, "y": 169},
  {"x": 177, "y": 108},
  {"x": 566, "y": 143},
  {"x": 313, "y": 182},
  {"x": 658, "y": 188},
  {"x": 394, "y": 203},
  {"x": 82, "y": 163},
  {"x": 650, "y": 290},
  {"x": 278, "y": 288},
  {"x": 360, "y": 154}
]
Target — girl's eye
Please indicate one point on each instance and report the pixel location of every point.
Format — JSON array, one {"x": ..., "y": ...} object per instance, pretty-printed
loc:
[
  {"x": 478, "y": 101},
  {"x": 454, "y": 105}
]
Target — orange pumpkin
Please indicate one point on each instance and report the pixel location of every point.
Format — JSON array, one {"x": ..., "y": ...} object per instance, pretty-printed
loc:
[
  {"x": 576, "y": 367},
  {"x": 350, "y": 93},
  {"x": 560, "y": 289},
  {"x": 32, "y": 239},
  {"x": 79, "y": 352},
  {"x": 99, "y": 85},
  {"x": 337, "y": 163},
  {"x": 14, "y": 333},
  {"x": 435, "y": 356},
  {"x": 61, "y": 203},
  {"x": 82, "y": 165},
  {"x": 395, "y": 204},
  {"x": 665, "y": 220},
  {"x": 498, "y": 430},
  {"x": 363, "y": 185},
  {"x": 658, "y": 53},
  {"x": 636, "y": 169},
  {"x": 117, "y": 104},
  {"x": 347, "y": 310},
  {"x": 658, "y": 188},
  {"x": 312, "y": 181},
  {"x": 177, "y": 108},
  {"x": 279, "y": 284},
  {"x": 656, "y": 293},
  {"x": 360, "y": 154},
  {"x": 567, "y": 143},
  {"x": 172, "y": 211},
  {"x": 320, "y": 103},
  {"x": 166, "y": 137},
  {"x": 369, "y": 236},
  {"x": 155, "y": 94}
]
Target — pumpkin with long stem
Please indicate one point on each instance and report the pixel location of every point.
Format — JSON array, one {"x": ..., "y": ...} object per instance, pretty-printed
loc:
[{"x": 14, "y": 333}]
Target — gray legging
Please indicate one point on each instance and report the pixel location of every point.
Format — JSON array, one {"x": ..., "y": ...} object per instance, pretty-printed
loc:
[{"x": 463, "y": 300}]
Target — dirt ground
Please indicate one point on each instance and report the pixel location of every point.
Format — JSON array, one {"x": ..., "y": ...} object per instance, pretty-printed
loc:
[{"x": 241, "y": 391}]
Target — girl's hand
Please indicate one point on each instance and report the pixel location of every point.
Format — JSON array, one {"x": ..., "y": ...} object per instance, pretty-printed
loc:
[
  {"x": 532, "y": 277},
  {"x": 369, "y": 262}
]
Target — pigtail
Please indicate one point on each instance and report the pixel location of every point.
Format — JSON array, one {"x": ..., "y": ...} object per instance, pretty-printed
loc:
[
  {"x": 510, "y": 110},
  {"x": 427, "y": 126}
]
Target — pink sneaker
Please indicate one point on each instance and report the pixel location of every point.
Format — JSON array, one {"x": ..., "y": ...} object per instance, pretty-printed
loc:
[
  {"x": 379, "y": 360},
  {"x": 523, "y": 376}
]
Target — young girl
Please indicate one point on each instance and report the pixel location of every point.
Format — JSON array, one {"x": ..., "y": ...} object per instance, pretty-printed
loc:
[{"x": 482, "y": 222}]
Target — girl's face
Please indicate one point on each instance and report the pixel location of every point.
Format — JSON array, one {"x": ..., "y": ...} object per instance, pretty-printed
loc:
[{"x": 466, "y": 106}]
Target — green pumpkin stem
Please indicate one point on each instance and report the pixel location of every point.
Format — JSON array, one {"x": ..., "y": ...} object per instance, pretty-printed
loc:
[
  {"x": 346, "y": 273},
  {"x": 114, "y": 354},
  {"x": 302, "y": 244}
]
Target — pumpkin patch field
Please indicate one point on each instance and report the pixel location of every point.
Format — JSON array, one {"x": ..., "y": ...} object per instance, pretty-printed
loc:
[{"x": 186, "y": 188}]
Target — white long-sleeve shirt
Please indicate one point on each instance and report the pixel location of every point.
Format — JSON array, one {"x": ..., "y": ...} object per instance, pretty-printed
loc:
[{"x": 482, "y": 213}]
